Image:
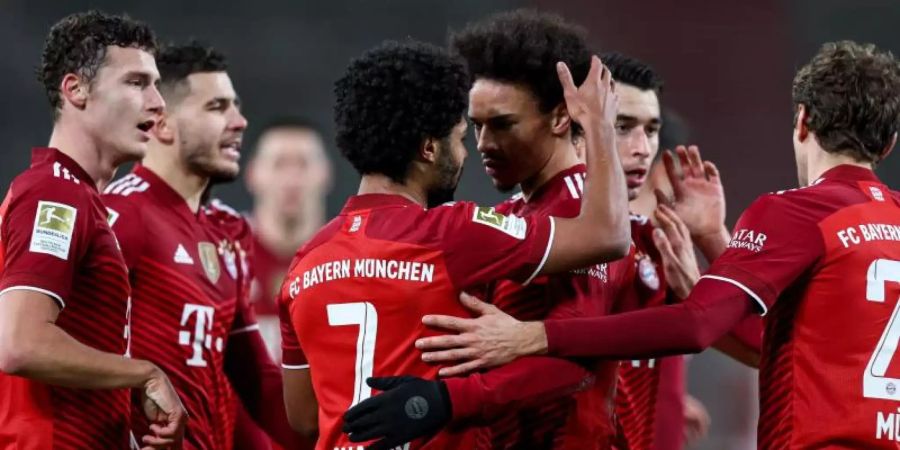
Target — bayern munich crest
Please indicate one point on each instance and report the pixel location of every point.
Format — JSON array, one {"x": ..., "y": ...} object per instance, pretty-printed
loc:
[{"x": 647, "y": 272}]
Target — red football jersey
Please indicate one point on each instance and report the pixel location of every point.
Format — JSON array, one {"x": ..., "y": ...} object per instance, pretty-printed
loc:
[
  {"x": 54, "y": 239},
  {"x": 189, "y": 285},
  {"x": 269, "y": 270},
  {"x": 582, "y": 420},
  {"x": 355, "y": 295},
  {"x": 649, "y": 393},
  {"x": 824, "y": 261}
]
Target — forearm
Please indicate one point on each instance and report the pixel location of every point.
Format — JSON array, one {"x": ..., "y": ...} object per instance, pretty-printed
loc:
[
  {"x": 744, "y": 342},
  {"x": 258, "y": 383},
  {"x": 523, "y": 383},
  {"x": 50, "y": 355},
  {"x": 713, "y": 245},
  {"x": 712, "y": 309}
]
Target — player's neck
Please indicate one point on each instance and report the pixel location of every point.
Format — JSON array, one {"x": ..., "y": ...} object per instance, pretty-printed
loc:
[
  {"x": 283, "y": 235},
  {"x": 165, "y": 164},
  {"x": 380, "y": 184},
  {"x": 77, "y": 144},
  {"x": 821, "y": 161},
  {"x": 563, "y": 157}
]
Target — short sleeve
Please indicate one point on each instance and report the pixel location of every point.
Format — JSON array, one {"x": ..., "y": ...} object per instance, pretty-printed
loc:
[
  {"x": 774, "y": 242},
  {"x": 128, "y": 225},
  {"x": 481, "y": 244},
  {"x": 292, "y": 356},
  {"x": 45, "y": 233}
]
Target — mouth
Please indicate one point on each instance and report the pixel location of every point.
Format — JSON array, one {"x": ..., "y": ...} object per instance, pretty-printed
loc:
[
  {"x": 635, "y": 177},
  {"x": 145, "y": 127},
  {"x": 491, "y": 166},
  {"x": 231, "y": 149}
]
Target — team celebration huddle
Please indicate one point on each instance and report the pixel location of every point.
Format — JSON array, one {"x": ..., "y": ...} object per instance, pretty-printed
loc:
[{"x": 137, "y": 311}]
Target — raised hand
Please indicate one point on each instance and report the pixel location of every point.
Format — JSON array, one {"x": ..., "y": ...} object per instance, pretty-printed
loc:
[
  {"x": 699, "y": 197},
  {"x": 595, "y": 99},
  {"x": 673, "y": 240}
]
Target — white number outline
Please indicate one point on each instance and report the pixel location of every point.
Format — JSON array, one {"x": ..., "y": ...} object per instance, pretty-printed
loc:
[
  {"x": 362, "y": 314},
  {"x": 875, "y": 384}
]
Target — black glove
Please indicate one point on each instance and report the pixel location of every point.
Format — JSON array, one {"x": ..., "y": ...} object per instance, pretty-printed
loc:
[{"x": 408, "y": 408}]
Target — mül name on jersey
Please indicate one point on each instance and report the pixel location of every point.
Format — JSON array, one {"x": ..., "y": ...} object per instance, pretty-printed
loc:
[{"x": 888, "y": 427}]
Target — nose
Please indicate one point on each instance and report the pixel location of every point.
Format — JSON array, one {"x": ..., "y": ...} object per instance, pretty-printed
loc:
[
  {"x": 238, "y": 121},
  {"x": 154, "y": 100},
  {"x": 483, "y": 140},
  {"x": 640, "y": 144}
]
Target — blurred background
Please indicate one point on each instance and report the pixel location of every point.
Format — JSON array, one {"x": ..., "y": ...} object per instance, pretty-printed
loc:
[{"x": 728, "y": 67}]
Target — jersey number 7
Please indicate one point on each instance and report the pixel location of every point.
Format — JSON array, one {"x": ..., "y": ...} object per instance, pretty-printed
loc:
[
  {"x": 875, "y": 384},
  {"x": 362, "y": 314}
]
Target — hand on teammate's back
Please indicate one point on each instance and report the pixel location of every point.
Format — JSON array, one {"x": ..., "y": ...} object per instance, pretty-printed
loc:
[{"x": 164, "y": 408}]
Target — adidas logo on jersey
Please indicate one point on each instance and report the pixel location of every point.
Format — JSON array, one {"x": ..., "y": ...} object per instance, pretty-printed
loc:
[{"x": 182, "y": 256}]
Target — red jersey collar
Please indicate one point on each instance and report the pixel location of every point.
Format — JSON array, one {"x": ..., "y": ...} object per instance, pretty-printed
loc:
[
  {"x": 45, "y": 155},
  {"x": 847, "y": 172},
  {"x": 556, "y": 182},
  {"x": 369, "y": 201},
  {"x": 161, "y": 190}
]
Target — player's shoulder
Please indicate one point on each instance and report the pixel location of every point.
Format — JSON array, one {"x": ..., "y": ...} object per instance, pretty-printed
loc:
[
  {"x": 810, "y": 203},
  {"x": 43, "y": 183},
  {"x": 132, "y": 186},
  {"x": 227, "y": 219}
]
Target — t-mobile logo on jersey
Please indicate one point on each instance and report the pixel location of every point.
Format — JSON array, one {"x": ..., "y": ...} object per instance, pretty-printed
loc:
[{"x": 201, "y": 337}]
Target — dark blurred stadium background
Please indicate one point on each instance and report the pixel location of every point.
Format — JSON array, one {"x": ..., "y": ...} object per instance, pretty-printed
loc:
[{"x": 728, "y": 67}]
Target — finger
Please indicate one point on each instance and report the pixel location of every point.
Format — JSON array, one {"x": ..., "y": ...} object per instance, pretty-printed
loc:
[
  {"x": 442, "y": 342},
  {"x": 663, "y": 245},
  {"x": 664, "y": 218},
  {"x": 565, "y": 78},
  {"x": 456, "y": 354},
  {"x": 475, "y": 305},
  {"x": 461, "y": 369},
  {"x": 387, "y": 383},
  {"x": 362, "y": 408},
  {"x": 712, "y": 172},
  {"x": 156, "y": 441},
  {"x": 363, "y": 424},
  {"x": 661, "y": 197},
  {"x": 672, "y": 173},
  {"x": 695, "y": 161},
  {"x": 682, "y": 153},
  {"x": 378, "y": 431},
  {"x": 457, "y": 324},
  {"x": 170, "y": 429}
]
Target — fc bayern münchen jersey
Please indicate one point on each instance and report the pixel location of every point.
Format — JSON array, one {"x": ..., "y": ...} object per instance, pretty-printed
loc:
[
  {"x": 189, "y": 289},
  {"x": 649, "y": 393},
  {"x": 355, "y": 295},
  {"x": 581, "y": 420},
  {"x": 54, "y": 239},
  {"x": 824, "y": 263}
]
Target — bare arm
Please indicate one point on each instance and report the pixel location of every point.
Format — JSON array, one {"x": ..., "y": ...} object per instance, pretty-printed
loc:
[
  {"x": 604, "y": 210},
  {"x": 300, "y": 402}
]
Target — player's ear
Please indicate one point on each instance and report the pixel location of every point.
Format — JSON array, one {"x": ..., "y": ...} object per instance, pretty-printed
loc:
[
  {"x": 800, "y": 126},
  {"x": 560, "y": 121},
  {"x": 74, "y": 89},
  {"x": 890, "y": 147},
  {"x": 429, "y": 149},
  {"x": 163, "y": 131}
]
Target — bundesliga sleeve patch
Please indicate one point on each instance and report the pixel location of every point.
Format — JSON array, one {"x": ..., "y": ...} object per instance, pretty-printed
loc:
[
  {"x": 512, "y": 225},
  {"x": 53, "y": 228}
]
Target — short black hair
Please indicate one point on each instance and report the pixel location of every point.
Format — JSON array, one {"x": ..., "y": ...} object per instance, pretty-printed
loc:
[
  {"x": 632, "y": 71},
  {"x": 851, "y": 92},
  {"x": 523, "y": 46},
  {"x": 392, "y": 98},
  {"x": 178, "y": 61},
  {"x": 77, "y": 44}
]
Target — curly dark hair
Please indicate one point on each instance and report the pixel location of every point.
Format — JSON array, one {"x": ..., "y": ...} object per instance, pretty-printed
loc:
[
  {"x": 851, "y": 93},
  {"x": 77, "y": 44},
  {"x": 523, "y": 46},
  {"x": 391, "y": 99},
  {"x": 177, "y": 62},
  {"x": 632, "y": 71}
]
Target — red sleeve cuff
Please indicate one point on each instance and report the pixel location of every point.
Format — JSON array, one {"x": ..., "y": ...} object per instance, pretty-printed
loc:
[
  {"x": 556, "y": 335},
  {"x": 293, "y": 358},
  {"x": 466, "y": 397}
]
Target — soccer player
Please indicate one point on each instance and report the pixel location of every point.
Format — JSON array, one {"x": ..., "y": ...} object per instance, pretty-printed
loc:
[
  {"x": 65, "y": 368},
  {"x": 187, "y": 261},
  {"x": 354, "y": 297},
  {"x": 821, "y": 260},
  {"x": 289, "y": 176}
]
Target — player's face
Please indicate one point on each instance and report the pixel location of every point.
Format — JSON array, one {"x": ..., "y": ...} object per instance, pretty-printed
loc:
[
  {"x": 514, "y": 137},
  {"x": 449, "y": 165},
  {"x": 289, "y": 170},
  {"x": 124, "y": 103},
  {"x": 209, "y": 126},
  {"x": 637, "y": 134}
]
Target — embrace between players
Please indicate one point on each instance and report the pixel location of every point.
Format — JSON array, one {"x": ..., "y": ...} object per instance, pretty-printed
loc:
[{"x": 570, "y": 282}]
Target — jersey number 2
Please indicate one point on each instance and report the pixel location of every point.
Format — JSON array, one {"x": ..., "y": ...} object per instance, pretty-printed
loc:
[
  {"x": 875, "y": 384},
  {"x": 362, "y": 314}
]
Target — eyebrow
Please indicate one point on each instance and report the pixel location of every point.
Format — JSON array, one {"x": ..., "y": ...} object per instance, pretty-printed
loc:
[
  {"x": 235, "y": 100},
  {"x": 496, "y": 117},
  {"x": 627, "y": 118}
]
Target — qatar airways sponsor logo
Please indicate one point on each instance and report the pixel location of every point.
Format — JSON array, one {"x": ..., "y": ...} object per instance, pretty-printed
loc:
[
  {"x": 868, "y": 232},
  {"x": 598, "y": 271},
  {"x": 360, "y": 447},
  {"x": 390, "y": 269},
  {"x": 748, "y": 240}
]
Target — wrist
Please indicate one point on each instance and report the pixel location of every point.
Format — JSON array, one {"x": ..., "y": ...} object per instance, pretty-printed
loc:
[
  {"x": 536, "y": 339},
  {"x": 147, "y": 372}
]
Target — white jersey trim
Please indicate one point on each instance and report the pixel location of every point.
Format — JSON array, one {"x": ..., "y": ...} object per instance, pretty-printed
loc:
[
  {"x": 297, "y": 367},
  {"x": 546, "y": 253},
  {"x": 247, "y": 329},
  {"x": 53, "y": 295},
  {"x": 747, "y": 290}
]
